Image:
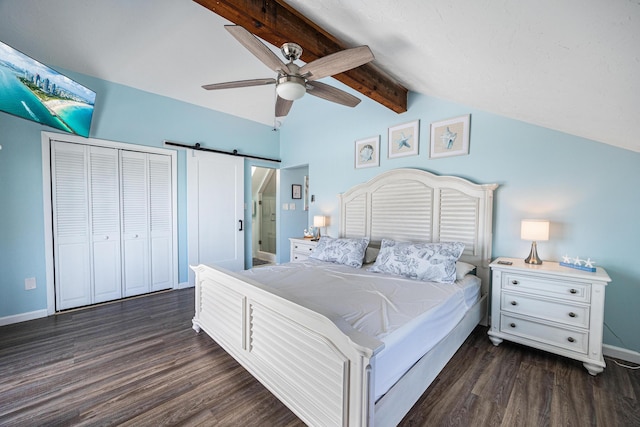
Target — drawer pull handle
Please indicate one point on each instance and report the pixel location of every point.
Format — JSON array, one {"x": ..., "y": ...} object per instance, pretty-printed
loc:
[
  {"x": 514, "y": 303},
  {"x": 514, "y": 282},
  {"x": 573, "y": 291},
  {"x": 310, "y": 249},
  {"x": 572, "y": 314},
  {"x": 513, "y": 325},
  {"x": 296, "y": 246},
  {"x": 571, "y": 339}
]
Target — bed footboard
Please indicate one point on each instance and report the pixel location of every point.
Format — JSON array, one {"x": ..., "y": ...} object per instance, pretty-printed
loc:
[{"x": 318, "y": 366}]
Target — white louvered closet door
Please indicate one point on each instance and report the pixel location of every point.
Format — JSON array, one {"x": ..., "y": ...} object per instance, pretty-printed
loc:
[
  {"x": 72, "y": 247},
  {"x": 161, "y": 221},
  {"x": 105, "y": 223},
  {"x": 135, "y": 222}
]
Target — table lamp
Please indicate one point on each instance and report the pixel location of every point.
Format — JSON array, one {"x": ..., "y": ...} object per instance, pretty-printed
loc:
[
  {"x": 534, "y": 230},
  {"x": 318, "y": 222}
]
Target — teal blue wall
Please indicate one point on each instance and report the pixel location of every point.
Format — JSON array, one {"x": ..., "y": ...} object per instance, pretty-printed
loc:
[
  {"x": 588, "y": 190},
  {"x": 121, "y": 114},
  {"x": 292, "y": 222}
]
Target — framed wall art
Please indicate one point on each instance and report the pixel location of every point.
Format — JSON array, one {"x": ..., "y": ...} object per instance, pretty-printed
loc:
[
  {"x": 450, "y": 137},
  {"x": 367, "y": 152},
  {"x": 404, "y": 139},
  {"x": 296, "y": 191}
]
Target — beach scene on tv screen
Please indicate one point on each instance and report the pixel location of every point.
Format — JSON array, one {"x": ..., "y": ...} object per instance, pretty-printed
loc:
[{"x": 33, "y": 91}]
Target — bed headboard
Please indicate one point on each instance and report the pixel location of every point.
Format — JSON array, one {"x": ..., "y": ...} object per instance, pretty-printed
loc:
[{"x": 418, "y": 206}]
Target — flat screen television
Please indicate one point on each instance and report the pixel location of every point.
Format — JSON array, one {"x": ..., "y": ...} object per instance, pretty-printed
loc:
[{"x": 33, "y": 91}]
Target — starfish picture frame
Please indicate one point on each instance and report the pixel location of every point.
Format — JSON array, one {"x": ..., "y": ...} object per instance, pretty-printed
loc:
[
  {"x": 404, "y": 139},
  {"x": 450, "y": 137}
]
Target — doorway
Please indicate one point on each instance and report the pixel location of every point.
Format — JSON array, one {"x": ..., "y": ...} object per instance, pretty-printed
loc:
[{"x": 263, "y": 215}]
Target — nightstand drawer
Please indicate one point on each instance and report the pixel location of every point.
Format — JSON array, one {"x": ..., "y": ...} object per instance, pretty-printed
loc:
[
  {"x": 555, "y": 311},
  {"x": 567, "y": 290},
  {"x": 299, "y": 257},
  {"x": 303, "y": 248},
  {"x": 559, "y": 337}
]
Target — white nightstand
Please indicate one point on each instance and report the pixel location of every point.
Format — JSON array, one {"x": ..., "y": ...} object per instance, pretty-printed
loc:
[
  {"x": 549, "y": 307},
  {"x": 301, "y": 248}
]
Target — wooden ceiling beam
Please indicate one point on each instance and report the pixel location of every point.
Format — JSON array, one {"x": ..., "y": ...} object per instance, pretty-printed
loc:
[{"x": 276, "y": 22}]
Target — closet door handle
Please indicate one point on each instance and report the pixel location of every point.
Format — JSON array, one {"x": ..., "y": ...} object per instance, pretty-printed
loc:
[{"x": 240, "y": 229}]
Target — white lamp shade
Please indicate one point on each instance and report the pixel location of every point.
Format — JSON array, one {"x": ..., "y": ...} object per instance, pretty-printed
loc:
[
  {"x": 534, "y": 229},
  {"x": 319, "y": 221},
  {"x": 290, "y": 90}
]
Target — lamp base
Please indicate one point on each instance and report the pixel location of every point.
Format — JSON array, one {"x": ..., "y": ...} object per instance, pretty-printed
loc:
[{"x": 533, "y": 255}]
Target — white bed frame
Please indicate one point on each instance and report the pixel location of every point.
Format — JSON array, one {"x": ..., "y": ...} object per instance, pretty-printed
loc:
[{"x": 316, "y": 363}]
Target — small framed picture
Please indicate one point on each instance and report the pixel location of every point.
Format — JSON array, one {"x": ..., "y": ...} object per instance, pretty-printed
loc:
[
  {"x": 450, "y": 137},
  {"x": 404, "y": 139},
  {"x": 367, "y": 154},
  {"x": 296, "y": 191}
]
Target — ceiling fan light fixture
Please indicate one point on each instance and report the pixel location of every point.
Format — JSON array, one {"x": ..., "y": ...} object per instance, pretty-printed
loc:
[{"x": 291, "y": 87}]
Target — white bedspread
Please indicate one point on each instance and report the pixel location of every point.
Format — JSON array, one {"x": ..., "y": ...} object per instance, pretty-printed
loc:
[{"x": 409, "y": 316}]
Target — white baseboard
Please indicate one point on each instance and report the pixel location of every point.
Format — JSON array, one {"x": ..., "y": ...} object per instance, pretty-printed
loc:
[
  {"x": 184, "y": 285},
  {"x": 621, "y": 353},
  {"x": 22, "y": 317}
]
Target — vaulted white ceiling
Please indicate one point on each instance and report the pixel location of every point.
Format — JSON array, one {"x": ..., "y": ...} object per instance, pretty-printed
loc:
[{"x": 569, "y": 65}]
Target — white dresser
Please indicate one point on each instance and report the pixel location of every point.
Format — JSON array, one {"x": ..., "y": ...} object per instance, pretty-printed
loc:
[
  {"x": 549, "y": 307},
  {"x": 301, "y": 248}
]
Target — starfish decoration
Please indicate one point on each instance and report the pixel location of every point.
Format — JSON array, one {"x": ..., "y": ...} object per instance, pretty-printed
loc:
[
  {"x": 577, "y": 261},
  {"x": 589, "y": 263},
  {"x": 566, "y": 259}
]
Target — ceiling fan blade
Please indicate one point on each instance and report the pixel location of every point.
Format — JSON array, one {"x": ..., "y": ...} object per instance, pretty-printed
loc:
[
  {"x": 337, "y": 63},
  {"x": 257, "y": 48},
  {"x": 239, "y": 83},
  {"x": 282, "y": 107},
  {"x": 332, "y": 94}
]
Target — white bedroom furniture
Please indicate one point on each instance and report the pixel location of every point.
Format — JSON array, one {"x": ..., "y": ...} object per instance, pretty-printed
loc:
[
  {"x": 261, "y": 329},
  {"x": 550, "y": 307},
  {"x": 113, "y": 222},
  {"x": 300, "y": 248}
]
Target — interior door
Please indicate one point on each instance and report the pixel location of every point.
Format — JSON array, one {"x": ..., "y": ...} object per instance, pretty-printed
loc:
[
  {"x": 215, "y": 193},
  {"x": 160, "y": 222},
  {"x": 105, "y": 223},
  {"x": 135, "y": 223},
  {"x": 71, "y": 227}
]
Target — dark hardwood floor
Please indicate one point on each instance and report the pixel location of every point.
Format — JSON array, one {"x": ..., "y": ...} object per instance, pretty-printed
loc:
[{"x": 139, "y": 363}]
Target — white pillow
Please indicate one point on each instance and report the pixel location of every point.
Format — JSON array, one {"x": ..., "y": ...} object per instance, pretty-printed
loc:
[
  {"x": 432, "y": 262},
  {"x": 341, "y": 251},
  {"x": 463, "y": 268}
]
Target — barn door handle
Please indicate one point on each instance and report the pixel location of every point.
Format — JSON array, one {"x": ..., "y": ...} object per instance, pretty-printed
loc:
[{"x": 240, "y": 225}]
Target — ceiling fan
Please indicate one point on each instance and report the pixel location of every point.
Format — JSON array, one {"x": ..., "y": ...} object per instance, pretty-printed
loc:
[{"x": 293, "y": 81}]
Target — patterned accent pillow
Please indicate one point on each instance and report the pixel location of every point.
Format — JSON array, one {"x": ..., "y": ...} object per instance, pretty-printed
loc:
[
  {"x": 430, "y": 262},
  {"x": 341, "y": 251}
]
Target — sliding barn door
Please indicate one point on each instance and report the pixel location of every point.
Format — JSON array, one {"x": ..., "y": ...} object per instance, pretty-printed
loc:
[{"x": 215, "y": 192}]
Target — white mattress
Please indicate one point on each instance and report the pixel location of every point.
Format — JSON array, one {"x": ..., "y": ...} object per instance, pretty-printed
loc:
[{"x": 409, "y": 316}]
